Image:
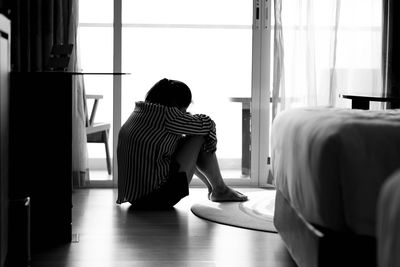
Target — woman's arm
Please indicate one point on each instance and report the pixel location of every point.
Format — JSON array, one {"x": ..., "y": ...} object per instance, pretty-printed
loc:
[{"x": 179, "y": 122}]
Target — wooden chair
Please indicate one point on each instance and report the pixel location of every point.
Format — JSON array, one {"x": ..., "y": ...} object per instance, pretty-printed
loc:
[{"x": 96, "y": 132}]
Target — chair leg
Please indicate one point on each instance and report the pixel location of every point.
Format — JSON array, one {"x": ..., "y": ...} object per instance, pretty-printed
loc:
[{"x": 107, "y": 152}]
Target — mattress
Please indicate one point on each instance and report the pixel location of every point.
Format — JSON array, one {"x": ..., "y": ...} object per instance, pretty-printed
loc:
[{"x": 330, "y": 163}]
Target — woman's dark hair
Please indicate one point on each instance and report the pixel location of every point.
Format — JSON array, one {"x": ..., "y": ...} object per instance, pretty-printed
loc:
[{"x": 170, "y": 93}]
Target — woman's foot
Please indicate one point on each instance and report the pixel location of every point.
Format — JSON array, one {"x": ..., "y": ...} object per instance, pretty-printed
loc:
[{"x": 227, "y": 194}]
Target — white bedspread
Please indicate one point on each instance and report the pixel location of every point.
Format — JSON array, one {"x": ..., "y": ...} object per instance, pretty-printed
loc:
[{"x": 330, "y": 163}]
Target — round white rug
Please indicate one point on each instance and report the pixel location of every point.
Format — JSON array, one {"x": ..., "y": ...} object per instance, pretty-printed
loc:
[{"x": 257, "y": 213}]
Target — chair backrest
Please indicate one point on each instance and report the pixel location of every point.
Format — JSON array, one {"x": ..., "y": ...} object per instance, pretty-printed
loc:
[
  {"x": 85, "y": 104},
  {"x": 90, "y": 117}
]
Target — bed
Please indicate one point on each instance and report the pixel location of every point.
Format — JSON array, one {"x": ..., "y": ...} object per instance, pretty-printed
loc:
[{"x": 328, "y": 166}]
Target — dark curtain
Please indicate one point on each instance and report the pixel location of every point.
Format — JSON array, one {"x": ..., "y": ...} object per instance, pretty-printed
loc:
[
  {"x": 37, "y": 25},
  {"x": 391, "y": 49}
]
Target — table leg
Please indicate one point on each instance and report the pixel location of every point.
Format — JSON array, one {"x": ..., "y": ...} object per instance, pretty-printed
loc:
[
  {"x": 246, "y": 151},
  {"x": 360, "y": 104}
]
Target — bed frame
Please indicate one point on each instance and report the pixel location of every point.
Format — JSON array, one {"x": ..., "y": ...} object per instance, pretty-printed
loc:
[{"x": 312, "y": 245}]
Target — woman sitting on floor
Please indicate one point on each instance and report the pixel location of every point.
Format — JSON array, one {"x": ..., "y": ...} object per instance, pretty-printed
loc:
[{"x": 160, "y": 148}]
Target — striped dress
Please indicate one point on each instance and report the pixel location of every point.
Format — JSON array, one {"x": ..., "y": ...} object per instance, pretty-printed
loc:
[{"x": 146, "y": 143}]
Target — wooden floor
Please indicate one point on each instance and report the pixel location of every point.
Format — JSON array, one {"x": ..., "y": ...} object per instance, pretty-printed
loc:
[{"x": 112, "y": 235}]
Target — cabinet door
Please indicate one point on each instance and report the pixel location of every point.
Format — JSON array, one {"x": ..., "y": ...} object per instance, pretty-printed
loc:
[{"x": 42, "y": 145}]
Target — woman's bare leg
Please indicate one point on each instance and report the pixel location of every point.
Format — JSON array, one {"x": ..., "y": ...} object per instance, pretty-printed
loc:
[
  {"x": 192, "y": 158},
  {"x": 186, "y": 154},
  {"x": 207, "y": 163},
  {"x": 204, "y": 179}
]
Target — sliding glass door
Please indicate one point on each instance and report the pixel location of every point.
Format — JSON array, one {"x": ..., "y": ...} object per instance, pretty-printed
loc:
[
  {"x": 217, "y": 47},
  {"x": 203, "y": 45},
  {"x": 95, "y": 37}
]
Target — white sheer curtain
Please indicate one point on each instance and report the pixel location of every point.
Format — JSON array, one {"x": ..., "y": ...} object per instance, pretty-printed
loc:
[
  {"x": 323, "y": 48},
  {"x": 80, "y": 170}
]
